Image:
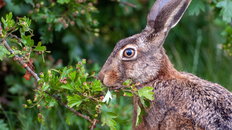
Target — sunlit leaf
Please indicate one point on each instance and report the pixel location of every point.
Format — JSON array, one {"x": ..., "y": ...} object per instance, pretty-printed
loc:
[
  {"x": 74, "y": 100},
  {"x": 3, "y": 52},
  {"x": 146, "y": 92},
  {"x": 226, "y": 12}
]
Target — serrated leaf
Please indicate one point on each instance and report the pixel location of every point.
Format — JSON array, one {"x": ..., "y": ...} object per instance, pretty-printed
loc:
[
  {"x": 72, "y": 75},
  {"x": 45, "y": 87},
  {"x": 226, "y": 12},
  {"x": 8, "y": 22},
  {"x": 66, "y": 71},
  {"x": 3, "y": 52},
  {"x": 52, "y": 102},
  {"x": 40, "y": 48},
  {"x": 96, "y": 85},
  {"x": 196, "y": 7},
  {"x": 25, "y": 23},
  {"x": 108, "y": 119},
  {"x": 67, "y": 86},
  {"x": 27, "y": 41},
  {"x": 3, "y": 125},
  {"x": 74, "y": 100},
  {"x": 146, "y": 92}
]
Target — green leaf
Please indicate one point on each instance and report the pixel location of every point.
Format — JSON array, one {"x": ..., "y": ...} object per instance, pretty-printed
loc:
[
  {"x": 196, "y": 7},
  {"x": 138, "y": 115},
  {"x": 129, "y": 94},
  {"x": 107, "y": 118},
  {"x": 74, "y": 100},
  {"x": 39, "y": 47},
  {"x": 127, "y": 82},
  {"x": 30, "y": 2},
  {"x": 146, "y": 92},
  {"x": 45, "y": 87},
  {"x": 63, "y": 1},
  {"x": 96, "y": 85},
  {"x": 66, "y": 71},
  {"x": 27, "y": 41},
  {"x": 8, "y": 22},
  {"x": 52, "y": 102},
  {"x": 3, "y": 125},
  {"x": 72, "y": 75},
  {"x": 25, "y": 24},
  {"x": 67, "y": 86},
  {"x": 3, "y": 52},
  {"x": 226, "y": 12}
]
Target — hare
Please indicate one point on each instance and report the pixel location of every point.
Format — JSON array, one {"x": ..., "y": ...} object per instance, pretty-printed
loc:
[{"x": 182, "y": 100}]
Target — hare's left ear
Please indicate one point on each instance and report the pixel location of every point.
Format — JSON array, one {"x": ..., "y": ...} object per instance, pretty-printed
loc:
[{"x": 165, "y": 14}]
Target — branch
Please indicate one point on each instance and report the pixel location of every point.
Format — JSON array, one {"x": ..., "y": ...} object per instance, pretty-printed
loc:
[
  {"x": 125, "y": 3},
  {"x": 19, "y": 59},
  {"x": 21, "y": 62},
  {"x": 69, "y": 108},
  {"x": 93, "y": 124}
]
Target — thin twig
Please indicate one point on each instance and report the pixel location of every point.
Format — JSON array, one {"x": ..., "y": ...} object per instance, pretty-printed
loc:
[
  {"x": 69, "y": 108},
  {"x": 93, "y": 124},
  {"x": 126, "y": 3},
  {"x": 19, "y": 59}
]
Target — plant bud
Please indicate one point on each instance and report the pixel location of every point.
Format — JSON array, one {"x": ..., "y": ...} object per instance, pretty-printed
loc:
[
  {"x": 29, "y": 101},
  {"x": 25, "y": 106}
]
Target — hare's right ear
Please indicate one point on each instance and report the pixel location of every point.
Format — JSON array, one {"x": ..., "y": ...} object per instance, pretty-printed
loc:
[{"x": 165, "y": 14}]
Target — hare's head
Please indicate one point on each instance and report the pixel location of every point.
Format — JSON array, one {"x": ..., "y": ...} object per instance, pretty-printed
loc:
[{"x": 141, "y": 56}]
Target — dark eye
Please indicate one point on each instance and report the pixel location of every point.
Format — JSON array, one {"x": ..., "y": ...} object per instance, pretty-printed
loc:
[{"x": 129, "y": 52}]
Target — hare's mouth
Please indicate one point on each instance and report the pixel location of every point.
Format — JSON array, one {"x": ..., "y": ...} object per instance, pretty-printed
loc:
[{"x": 116, "y": 86}]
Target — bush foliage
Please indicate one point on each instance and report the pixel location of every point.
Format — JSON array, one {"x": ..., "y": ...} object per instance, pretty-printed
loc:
[{"x": 51, "y": 36}]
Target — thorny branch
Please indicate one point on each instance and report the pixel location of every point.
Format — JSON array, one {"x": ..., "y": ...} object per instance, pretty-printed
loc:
[{"x": 21, "y": 62}]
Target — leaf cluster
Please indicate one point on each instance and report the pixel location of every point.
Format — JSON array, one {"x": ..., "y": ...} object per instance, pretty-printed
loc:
[
  {"x": 19, "y": 35},
  {"x": 55, "y": 16},
  {"x": 72, "y": 86}
]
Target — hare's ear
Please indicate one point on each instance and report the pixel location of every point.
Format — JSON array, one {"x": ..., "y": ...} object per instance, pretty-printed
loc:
[{"x": 165, "y": 14}]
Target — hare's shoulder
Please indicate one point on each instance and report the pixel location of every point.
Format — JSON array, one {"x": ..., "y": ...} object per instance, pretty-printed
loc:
[
  {"x": 206, "y": 90},
  {"x": 199, "y": 84},
  {"x": 210, "y": 104}
]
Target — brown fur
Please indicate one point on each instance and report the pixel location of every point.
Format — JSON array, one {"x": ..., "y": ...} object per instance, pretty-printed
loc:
[{"x": 182, "y": 100}]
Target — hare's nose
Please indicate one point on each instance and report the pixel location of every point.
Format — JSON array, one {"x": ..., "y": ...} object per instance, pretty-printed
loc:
[{"x": 100, "y": 76}]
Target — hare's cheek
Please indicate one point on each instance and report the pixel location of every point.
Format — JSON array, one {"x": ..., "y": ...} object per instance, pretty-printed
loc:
[{"x": 111, "y": 78}]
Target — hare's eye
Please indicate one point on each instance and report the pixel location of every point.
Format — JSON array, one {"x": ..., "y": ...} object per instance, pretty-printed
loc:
[{"x": 129, "y": 52}]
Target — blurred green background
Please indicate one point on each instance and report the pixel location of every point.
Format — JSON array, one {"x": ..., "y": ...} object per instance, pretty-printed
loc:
[{"x": 74, "y": 29}]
